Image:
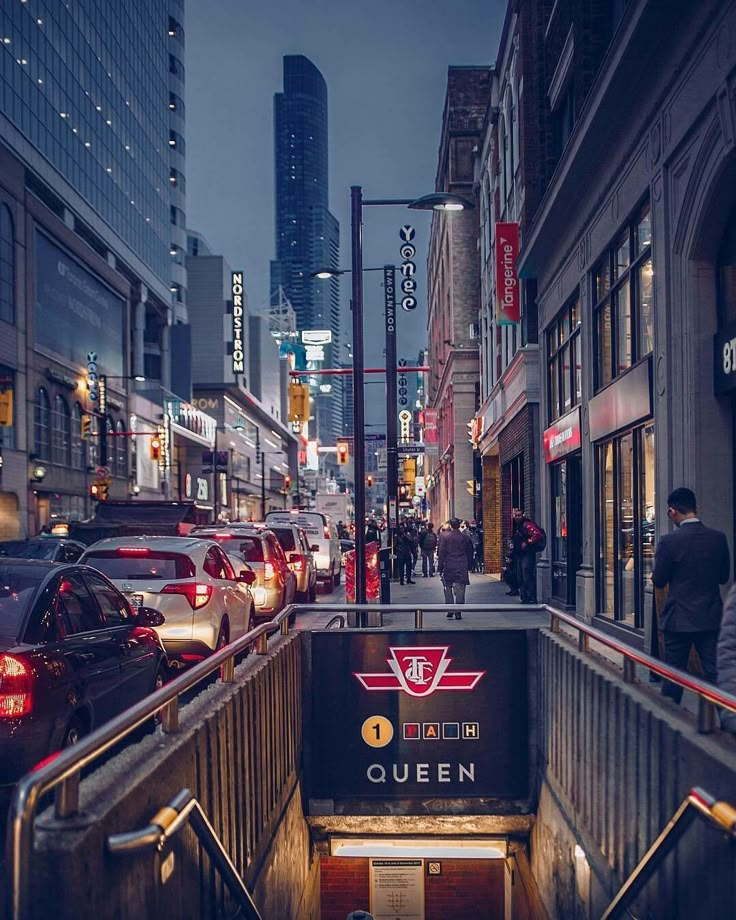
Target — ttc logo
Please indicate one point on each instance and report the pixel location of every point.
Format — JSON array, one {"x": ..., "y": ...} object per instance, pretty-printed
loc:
[{"x": 419, "y": 671}]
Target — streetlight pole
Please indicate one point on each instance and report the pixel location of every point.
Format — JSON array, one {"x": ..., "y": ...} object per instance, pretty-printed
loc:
[{"x": 356, "y": 235}]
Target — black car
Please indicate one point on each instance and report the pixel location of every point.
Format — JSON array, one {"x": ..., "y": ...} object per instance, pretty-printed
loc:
[
  {"x": 72, "y": 655},
  {"x": 54, "y": 549}
]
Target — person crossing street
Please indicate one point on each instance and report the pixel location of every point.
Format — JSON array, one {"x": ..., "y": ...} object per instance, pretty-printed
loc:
[
  {"x": 428, "y": 546},
  {"x": 455, "y": 560}
]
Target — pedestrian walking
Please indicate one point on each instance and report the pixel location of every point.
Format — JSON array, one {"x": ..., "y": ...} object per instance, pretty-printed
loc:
[
  {"x": 428, "y": 546},
  {"x": 693, "y": 562},
  {"x": 372, "y": 533},
  {"x": 404, "y": 557},
  {"x": 455, "y": 560},
  {"x": 528, "y": 539}
]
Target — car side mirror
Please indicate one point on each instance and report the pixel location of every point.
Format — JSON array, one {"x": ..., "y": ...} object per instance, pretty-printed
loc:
[
  {"x": 247, "y": 578},
  {"x": 315, "y": 548},
  {"x": 149, "y": 616}
]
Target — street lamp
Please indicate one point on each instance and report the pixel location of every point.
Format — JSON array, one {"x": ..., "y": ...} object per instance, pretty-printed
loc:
[{"x": 438, "y": 201}]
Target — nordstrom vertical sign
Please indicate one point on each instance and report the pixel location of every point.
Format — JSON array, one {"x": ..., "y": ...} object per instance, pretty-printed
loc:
[
  {"x": 507, "y": 282},
  {"x": 237, "y": 292}
]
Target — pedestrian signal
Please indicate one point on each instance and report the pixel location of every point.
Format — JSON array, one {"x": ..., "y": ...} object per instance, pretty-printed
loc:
[
  {"x": 298, "y": 402},
  {"x": 343, "y": 452}
]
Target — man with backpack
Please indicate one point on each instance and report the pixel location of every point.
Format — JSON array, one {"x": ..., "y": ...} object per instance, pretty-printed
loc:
[
  {"x": 528, "y": 539},
  {"x": 428, "y": 545}
]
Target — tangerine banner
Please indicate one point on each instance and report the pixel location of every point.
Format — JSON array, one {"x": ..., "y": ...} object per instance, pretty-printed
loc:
[{"x": 508, "y": 301}]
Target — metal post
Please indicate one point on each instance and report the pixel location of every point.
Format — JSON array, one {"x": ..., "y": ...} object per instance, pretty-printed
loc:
[
  {"x": 392, "y": 450},
  {"x": 215, "y": 490},
  {"x": 356, "y": 227},
  {"x": 263, "y": 485}
]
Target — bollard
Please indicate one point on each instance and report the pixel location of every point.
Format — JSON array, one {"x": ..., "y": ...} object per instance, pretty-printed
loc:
[{"x": 418, "y": 619}]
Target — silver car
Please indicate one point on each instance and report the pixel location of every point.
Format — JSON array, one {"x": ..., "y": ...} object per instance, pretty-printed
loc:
[{"x": 205, "y": 602}]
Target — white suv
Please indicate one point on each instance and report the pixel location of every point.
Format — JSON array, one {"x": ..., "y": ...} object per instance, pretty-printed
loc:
[{"x": 206, "y": 603}]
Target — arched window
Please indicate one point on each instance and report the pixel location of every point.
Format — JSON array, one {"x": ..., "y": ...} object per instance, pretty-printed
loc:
[
  {"x": 502, "y": 175},
  {"x": 60, "y": 432},
  {"x": 78, "y": 446},
  {"x": 41, "y": 425},
  {"x": 121, "y": 451},
  {"x": 7, "y": 265}
]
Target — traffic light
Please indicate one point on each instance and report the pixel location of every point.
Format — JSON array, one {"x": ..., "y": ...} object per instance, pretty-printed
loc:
[
  {"x": 298, "y": 402},
  {"x": 369, "y": 480},
  {"x": 156, "y": 448},
  {"x": 86, "y": 427},
  {"x": 287, "y": 483},
  {"x": 343, "y": 452},
  {"x": 98, "y": 491}
]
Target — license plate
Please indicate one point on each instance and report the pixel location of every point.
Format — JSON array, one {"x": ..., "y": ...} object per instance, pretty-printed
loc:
[{"x": 135, "y": 600}]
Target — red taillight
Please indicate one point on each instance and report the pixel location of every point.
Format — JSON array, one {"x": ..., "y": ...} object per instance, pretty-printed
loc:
[
  {"x": 133, "y": 551},
  {"x": 224, "y": 536},
  {"x": 326, "y": 531},
  {"x": 197, "y": 594},
  {"x": 297, "y": 565},
  {"x": 268, "y": 571},
  {"x": 16, "y": 687}
]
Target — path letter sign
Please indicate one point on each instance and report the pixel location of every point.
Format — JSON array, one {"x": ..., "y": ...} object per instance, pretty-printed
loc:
[{"x": 508, "y": 302}]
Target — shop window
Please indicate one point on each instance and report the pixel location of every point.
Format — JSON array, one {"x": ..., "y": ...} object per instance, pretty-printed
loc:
[
  {"x": 78, "y": 445},
  {"x": 564, "y": 369},
  {"x": 60, "y": 432},
  {"x": 623, "y": 292},
  {"x": 516, "y": 481},
  {"x": 41, "y": 425},
  {"x": 626, "y": 503},
  {"x": 7, "y": 265}
]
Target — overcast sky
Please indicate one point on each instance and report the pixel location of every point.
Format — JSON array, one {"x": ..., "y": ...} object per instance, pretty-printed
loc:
[{"x": 385, "y": 64}]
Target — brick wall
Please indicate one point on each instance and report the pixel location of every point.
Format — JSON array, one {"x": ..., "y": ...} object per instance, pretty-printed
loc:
[
  {"x": 467, "y": 889},
  {"x": 519, "y": 437},
  {"x": 492, "y": 531}
]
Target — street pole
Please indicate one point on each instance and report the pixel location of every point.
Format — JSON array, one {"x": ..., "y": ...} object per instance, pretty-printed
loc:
[
  {"x": 356, "y": 227},
  {"x": 215, "y": 477},
  {"x": 263, "y": 485},
  {"x": 392, "y": 451}
]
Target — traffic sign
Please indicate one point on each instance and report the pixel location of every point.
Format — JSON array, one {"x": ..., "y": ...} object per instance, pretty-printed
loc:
[{"x": 411, "y": 449}]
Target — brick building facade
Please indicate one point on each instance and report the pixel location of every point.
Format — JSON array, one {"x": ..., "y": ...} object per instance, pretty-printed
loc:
[{"x": 454, "y": 297}]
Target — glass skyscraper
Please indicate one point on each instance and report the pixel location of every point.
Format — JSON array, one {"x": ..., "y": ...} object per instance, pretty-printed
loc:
[{"x": 307, "y": 234}]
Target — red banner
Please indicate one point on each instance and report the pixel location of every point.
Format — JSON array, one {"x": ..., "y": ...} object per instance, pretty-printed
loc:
[
  {"x": 430, "y": 426},
  {"x": 508, "y": 302}
]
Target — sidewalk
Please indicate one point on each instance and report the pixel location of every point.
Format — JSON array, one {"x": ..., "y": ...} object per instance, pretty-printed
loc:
[{"x": 483, "y": 589}]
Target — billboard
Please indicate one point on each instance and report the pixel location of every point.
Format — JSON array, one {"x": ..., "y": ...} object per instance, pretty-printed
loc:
[{"x": 74, "y": 312}]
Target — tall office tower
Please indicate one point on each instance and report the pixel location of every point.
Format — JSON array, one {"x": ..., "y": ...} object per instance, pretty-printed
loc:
[
  {"x": 307, "y": 234},
  {"x": 92, "y": 193}
]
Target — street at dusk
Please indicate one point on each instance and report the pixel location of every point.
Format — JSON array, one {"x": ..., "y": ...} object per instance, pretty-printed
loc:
[{"x": 367, "y": 460}]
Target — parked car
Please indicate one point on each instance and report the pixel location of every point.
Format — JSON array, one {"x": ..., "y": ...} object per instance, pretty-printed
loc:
[
  {"x": 275, "y": 585},
  {"x": 322, "y": 535},
  {"x": 205, "y": 603},
  {"x": 54, "y": 549},
  {"x": 295, "y": 545},
  {"x": 72, "y": 655}
]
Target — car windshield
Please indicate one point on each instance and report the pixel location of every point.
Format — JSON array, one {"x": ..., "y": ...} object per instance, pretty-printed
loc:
[
  {"x": 285, "y": 536},
  {"x": 17, "y": 589},
  {"x": 250, "y": 548},
  {"x": 28, "y": 549},
  {"x": 136, "y": 565}
]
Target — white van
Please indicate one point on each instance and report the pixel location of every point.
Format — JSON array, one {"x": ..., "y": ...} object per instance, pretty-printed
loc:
[{"x": 321, "y": 533}]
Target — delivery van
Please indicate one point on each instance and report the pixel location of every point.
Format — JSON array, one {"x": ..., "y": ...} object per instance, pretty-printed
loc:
[{"x": 321, "y": 533}]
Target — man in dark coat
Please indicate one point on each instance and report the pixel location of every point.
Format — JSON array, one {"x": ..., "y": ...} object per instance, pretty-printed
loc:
[
  {"x": 404, "y": 557},
  {"x": 454, "y": 562},
  {"x": 524, "y": 534},
  {"x": 428, "y": 545},
  {"x": 693, "y": 561}
]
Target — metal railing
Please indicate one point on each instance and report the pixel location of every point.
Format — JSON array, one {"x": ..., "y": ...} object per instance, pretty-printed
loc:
[
  {"x": 61, "y": 774},
  {"x": 698, "y": 803},
  {"x": 167, "y": 822}
]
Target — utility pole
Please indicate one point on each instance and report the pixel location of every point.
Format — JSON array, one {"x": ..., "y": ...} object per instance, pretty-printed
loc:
[{"x": 263, "y": 485}]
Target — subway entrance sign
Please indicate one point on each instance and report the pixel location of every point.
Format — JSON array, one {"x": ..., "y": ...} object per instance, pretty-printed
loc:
[{"x": 419, "y": 715}]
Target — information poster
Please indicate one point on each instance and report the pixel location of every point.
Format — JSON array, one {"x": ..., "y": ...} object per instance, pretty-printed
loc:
[
  {"x": 429, "y": 714},
  {"x": 397, "y": 889}
]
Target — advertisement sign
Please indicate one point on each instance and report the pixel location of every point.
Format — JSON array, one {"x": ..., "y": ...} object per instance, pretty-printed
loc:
[
  {"x": 724, "y": 360},
  {"x": 238, "y": 365},
  {"x": 420, "y": 715},
  {"x": 508, "y": 302},
  {"x": 431, "y": 429},
  {"x": 74, "y": 312},
  {"x": 397, "y": 889},
  {"x": 563, "y": 437},
  {"x": 317, "y": 337}
]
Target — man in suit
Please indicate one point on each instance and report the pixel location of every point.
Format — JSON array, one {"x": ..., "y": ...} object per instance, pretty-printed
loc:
[{"x": 693, "y": 561}]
